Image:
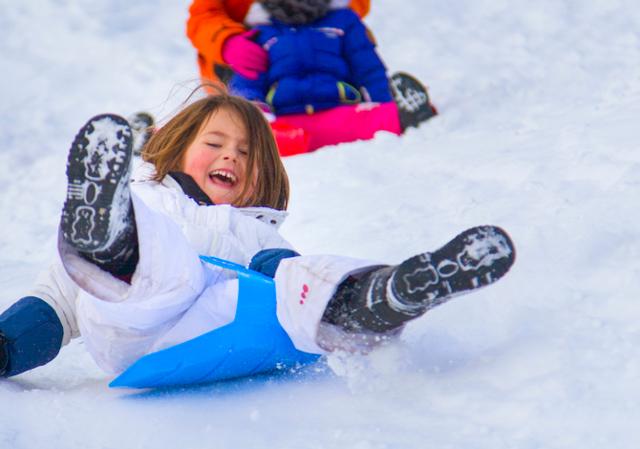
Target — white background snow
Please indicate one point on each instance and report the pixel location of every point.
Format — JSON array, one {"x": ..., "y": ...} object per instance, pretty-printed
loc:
[{"x": 538, "y": 133}]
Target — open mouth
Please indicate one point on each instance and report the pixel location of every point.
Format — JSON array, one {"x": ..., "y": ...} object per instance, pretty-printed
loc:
[{"x": 223, "y": 177}]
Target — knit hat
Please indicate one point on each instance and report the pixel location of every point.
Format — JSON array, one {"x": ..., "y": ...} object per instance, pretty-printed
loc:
[{"x": 296, "y": 12}]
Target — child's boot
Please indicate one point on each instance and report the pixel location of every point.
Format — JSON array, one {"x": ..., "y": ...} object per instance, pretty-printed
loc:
[
  {"x": 143, "y": 126},
  {"x": 386, "y": 298},
  {"x": 412, "y": 99},
  {"x": 97, "y": 217}
]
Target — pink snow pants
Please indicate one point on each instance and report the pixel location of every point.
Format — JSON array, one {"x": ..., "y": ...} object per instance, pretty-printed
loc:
[{"x": 302, "y": 133}]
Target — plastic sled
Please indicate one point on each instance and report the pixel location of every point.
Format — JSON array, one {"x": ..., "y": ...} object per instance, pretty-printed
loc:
[
  {"x": 291, "y": 140},
  {"x": 253, "y": 343}
]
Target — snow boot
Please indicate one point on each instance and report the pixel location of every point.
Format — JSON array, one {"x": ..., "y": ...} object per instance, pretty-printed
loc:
[
  {"x": 97, "y": 218},
  {"x": 412, "y": 99},
  {"x": 143, "y": 126},
  {"x": 385, "y": 298}
]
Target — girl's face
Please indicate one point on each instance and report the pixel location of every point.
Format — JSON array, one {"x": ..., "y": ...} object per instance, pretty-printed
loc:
[{"x": 217, "y": 158}]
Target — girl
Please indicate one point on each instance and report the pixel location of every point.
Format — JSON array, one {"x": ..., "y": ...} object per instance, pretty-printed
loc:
[{"x": 128, "y": 278}]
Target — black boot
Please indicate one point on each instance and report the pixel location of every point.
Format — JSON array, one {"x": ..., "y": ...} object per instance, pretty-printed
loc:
[
  {"x": 385, "y": 298},
  {"x": 412, "y": 99},
  {"x": 142, "y": 126},
  {"x": 97, "y": 217}
]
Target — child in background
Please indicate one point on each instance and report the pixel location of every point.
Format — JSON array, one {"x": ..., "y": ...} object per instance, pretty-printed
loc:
[
  {"x": 324, "y": 76},
  {"x": 128, "y": 278},
  {"x": 216, "y": 24}
]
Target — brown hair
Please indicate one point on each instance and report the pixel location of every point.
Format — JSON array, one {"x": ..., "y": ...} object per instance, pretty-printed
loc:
[{"x": 166, "y": 149}]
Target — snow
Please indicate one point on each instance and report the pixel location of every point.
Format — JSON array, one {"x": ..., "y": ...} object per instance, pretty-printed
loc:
[{"x": 537, "y": 134}]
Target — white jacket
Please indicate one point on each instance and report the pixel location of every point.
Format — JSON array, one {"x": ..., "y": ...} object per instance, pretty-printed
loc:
[{"x": 173, "y": 296}]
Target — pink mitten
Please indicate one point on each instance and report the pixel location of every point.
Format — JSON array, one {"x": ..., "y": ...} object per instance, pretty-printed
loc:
[{"x": 245, "y": 56}]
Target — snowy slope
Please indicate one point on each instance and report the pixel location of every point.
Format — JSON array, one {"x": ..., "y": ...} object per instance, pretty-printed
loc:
[{"x": 537, "y": 133}]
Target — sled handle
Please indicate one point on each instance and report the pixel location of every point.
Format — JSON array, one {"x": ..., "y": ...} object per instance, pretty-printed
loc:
[
  {"x": 223, "y": 263},
  {"x": 256, "y": 292}
]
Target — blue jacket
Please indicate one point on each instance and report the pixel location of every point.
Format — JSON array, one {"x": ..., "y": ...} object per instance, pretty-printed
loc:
[{"x": 316, "y": 66}]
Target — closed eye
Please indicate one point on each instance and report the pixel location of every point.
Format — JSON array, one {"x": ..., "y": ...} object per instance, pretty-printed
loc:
[{"x": 213, "y": 145}]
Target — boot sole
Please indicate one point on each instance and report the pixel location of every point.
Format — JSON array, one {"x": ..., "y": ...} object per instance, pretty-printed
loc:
[
  {"x": 473, "y": 259},
  {"x": 98, "y": 171},
  {"x": 414, "y": 105}
]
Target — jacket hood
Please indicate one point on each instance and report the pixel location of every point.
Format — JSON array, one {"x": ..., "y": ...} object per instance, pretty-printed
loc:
[{"x": 259, "y": 15}]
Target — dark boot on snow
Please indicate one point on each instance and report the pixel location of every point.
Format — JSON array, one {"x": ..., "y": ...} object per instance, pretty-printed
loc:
[
  {"x": 143, "y": 126},
  {"x": 385, "y": 298},
  {"x": 97, "y": 218},
  {"x": 412, "y": 99}
]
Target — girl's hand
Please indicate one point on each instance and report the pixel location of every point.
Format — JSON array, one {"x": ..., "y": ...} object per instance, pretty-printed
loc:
[
  {"x": 4, "y": 355},
  {"x": 267, "y": 260}
]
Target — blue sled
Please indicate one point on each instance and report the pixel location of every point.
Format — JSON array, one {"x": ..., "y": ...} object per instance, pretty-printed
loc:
[{"x": 253, "y": 343}]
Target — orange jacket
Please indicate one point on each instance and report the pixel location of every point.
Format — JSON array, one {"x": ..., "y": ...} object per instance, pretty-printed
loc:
[{"x": 211, "y": 22}]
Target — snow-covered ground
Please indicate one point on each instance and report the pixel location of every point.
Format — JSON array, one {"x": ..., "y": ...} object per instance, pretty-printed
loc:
[{"x": 538, "y": 133}]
